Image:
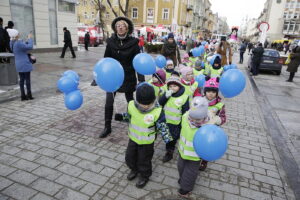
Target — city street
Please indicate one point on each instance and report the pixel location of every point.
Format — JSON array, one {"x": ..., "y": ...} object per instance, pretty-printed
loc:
[{"x": 49, "y": 152}]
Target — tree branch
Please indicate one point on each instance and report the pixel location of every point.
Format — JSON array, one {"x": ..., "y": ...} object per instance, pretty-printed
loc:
[{"x": 112, "y": 9}]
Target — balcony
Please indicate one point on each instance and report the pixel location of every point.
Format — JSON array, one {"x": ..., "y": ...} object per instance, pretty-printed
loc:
[{"x": 189, "y": 7}]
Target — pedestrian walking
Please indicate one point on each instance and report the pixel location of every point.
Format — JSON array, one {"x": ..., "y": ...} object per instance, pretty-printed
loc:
[
  {"x": 242, "y": 50},
  {"x": 188, "y": 161},
  {"x": 294, "y": 63},
  {"x": 250, "y": 46},
  {"x": 122, "y": 47},
  {"x": 4, "y": 40},
  {"x": 224, "y": 49},
  {"x": 146, "y": 119},
  {"x": 87, "y": 40},
  {"x": 189, "y": 44},
  {"x": 68, "y": 43},
  {"x": 10, "y": 25},
  {"x": 23, "y": 65},
  {"x": 170, "y": 50},
  {"x": 256, "y": 59},
  {"x": 142, "y": 43}
]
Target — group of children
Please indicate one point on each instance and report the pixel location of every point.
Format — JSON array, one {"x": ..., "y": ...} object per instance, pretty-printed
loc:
[{"x": 171, "y": 104}]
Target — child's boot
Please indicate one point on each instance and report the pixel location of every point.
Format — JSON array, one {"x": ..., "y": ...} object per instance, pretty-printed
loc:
[{"x": 168, "y": 156}]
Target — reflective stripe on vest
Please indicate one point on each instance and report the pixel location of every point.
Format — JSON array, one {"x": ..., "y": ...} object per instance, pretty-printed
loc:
[
  {"x": 173, "y": 109},
  {"x": 214, "y": 73},
  {"x": 190, "y": 89},
  {"x": 142, "y": 125},
  {"x": 196, "y": 72},
  {"x": 186, "y": 147}
]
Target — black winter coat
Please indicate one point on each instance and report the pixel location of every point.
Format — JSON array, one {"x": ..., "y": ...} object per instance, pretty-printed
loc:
[
  {"x": 67, "y": 37},
  {"x": 257, "y": 54},
  {"x": 124, "y": 51},
  {"x": 87, "y": 38}
]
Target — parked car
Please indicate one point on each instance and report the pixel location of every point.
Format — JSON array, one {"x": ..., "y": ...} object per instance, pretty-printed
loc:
[
  {"x": 271, "y": 61},
  {"x": 96, "y": 35}
]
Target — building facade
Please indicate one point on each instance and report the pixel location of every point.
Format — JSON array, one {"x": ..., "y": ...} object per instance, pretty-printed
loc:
[{"x": 45, "y": 19}]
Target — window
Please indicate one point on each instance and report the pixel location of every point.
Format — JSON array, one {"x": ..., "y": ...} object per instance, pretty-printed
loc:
[
  {"x": 134, "y": 13},
  {"x": 297, "y": 26},
  {"x": 150, "y": 15},
  {"x": 285, "y": 26},
  {"x": 292, "y": 4},
  {"x": 284, "y": 15},
  {"x": 64, "y": 6},
  {"x": 53, "y": 22},
  {"x": 93, "y": 15},
  {"x": 22, "y": 16},
  {"x": 165, "y": 13},
  {"x": 287, "y": 5},
  {"x": 296, "y": 15},
  {"x": 86, "y": 15},
  {"x": 271, "y": 53}
]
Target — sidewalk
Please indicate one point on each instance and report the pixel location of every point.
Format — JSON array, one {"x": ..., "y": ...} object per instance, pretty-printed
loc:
[{"x": 47, "y": 152}]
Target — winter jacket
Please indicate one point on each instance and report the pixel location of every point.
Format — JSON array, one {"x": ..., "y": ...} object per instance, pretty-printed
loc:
[
  {"x": 67, "y": 37},
  {"x": 221, "y": 113},
  {"x": 20, "y": 50},
  {"x": 243, "y": 47},
  {"x": 124, "y": 51},
  {"x": 171, "y": 51},
  {"x": 295, "y": 60},
  {"x": 4, "y": 40},
  {"x": 257, "y": 54},
  {"x": 222, "y": 50}
]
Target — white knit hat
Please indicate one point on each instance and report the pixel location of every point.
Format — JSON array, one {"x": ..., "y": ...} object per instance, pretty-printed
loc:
[
  {"x": 170, "y": 62},
  {"x": 13, "y": 33}
]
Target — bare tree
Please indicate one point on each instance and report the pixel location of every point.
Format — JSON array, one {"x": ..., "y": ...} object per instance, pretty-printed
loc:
[
  {"x": 123, "y": 9},
  {"x": 100, "y": 7}
]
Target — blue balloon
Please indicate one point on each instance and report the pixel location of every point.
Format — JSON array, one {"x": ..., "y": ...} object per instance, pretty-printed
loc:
[
  {"x": 202, "y": 49},
  {"x": 71, "y": 74},
  {"x": 144, "y": 64},
  {"x": 213, "y": 58},
  {"x": 204, "y": 43},
  {"x": 210, "y": 142},
  {"x": 227, "y": 67},
  {"x": 66, "y": 84},
  {"x": 201, "y": 80},
  {"x": 73, "y": 100},
  {"x": 196, "y": 51},
  {"x": 232, "y": 83},
  {"x": 161, "y": 61},
  {"x": 109, "y": 74},
  {"x": 233, "y": 66},
  {"x": 203, "y": 64}
]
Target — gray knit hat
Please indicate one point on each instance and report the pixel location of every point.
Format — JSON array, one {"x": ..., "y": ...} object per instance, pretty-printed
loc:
[{"x": 198, "y": 108}]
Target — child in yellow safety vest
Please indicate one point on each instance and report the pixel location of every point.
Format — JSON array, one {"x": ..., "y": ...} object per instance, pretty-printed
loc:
[
  {"x": 188, "y": 81},
  {"x": 188, "y": 161},
  {"x": 215, "y": 70},
  {"x": 146, "y": 118},
  {"x": 175, "y": 103},
  {"x": 185, "y": 59},
  {"x": 216, "y": 109},
  {"x": 158, "y": 81},
  {"x": 169, "y": 68},
  {"x": 198, "y": 69}
]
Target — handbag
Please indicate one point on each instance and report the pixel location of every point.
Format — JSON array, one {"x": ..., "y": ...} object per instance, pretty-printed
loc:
[{"x": 31, "y": 58}]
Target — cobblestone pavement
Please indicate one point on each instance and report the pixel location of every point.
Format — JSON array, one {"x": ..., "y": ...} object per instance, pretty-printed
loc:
[{"x": 47, "y": 152}]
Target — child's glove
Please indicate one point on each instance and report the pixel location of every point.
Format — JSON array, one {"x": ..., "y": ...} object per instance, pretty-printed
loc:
[
  {"x": 216, "y": 120},
  {"x": 118, "y": 117},
  {"x": 169, "y": 93}
]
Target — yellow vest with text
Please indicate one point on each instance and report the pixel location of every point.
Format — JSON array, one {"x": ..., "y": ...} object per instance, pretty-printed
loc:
[
  {"x": 214, "y": 73},
  {"x": 186, "y": 147},
  {"x": 196, "y": 72},
  {"x": 173, "y": 109},
  {"x": 190, "y": 89},
  {"x": 142, "y": 125}
]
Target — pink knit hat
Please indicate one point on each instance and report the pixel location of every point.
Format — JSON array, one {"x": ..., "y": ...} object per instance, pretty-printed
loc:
[{"x": 185, "y": 70}]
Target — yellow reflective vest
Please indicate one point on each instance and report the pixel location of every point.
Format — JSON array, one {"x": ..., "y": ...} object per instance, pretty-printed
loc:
[
  {"x": 173, "y": 109},
  {"x": 142, "y": 125}
]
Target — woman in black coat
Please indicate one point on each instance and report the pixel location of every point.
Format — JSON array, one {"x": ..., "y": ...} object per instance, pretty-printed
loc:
[{"x": 122, "y": 47}]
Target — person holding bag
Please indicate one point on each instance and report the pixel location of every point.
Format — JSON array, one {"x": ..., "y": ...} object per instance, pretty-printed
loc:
[{"x": 23, "y": 62}]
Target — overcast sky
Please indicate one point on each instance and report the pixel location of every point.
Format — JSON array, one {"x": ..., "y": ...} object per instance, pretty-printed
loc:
[{"x": 235, "y": 10}]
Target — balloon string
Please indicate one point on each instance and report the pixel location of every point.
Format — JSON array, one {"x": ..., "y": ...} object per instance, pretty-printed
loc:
[{"x": 114, "y": 97}]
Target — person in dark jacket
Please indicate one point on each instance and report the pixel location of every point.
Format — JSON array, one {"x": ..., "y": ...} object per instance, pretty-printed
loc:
[
  {"x": 86, "y": 40},
  {"x": 4, "y": 40},
  {"x": 250, "y": 46},
  {"x": 68, "y": 43},
  {"x": 295, "y": 62},
  {"x": 256, "y": 59},
  {"x": 242, "y": 49},
  {"x": 10, "y": 25},
  {"x": 122, "y": 47},
  {"x": 170, "y": 50}
]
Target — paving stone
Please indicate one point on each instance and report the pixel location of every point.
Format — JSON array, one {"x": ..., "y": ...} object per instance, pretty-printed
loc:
[
  {"x": 112, "y": 194},
  {"x": 8, "y": 159},
  {"x": 47, "y": 173},
  {"x": 111, "y": 163},
  {"x": 68, "y": 158},
  {"x": 253, "y": 169},
  {"x": 234, "y": 189},
  {"x": 134, "y": 193},
  {"x": 92, "y": 166},
  {"x": 66, "y": 149},
  {"x": 30, "y": 147},
  {"x": 22, "y": 177},
  {"x": 48, "y": 137},
  {"x": 50, "y": 162},
  {"x": 48, "y": 152},
  {"x": 18, "y": 191},
  {"x": 46, "y": 186},
  {"x": 90, "y": 189},
  {"x": 170, "y": 181},
  {"x": 69, "y": 169},
  {"x": 65, "y": 141},
  {"x": 93, "y": 178},
  {"x": 10, "y": 150},
  {"x": 228, "y": 196},
  {"x": 68, "y": 194},
  {"x": 239, "y": 172},
  {"x": 28, "y": 155},
  {"x": 48, "y": 144},
  {"x": 207, "y": 192},
  {"x": 269, "y": 180},
  {"x": 5, "y": 170},
  {"x": 107, "y": 171},
  {"x": 84, "y": 147},
  {"x": 273, "y": 174},
  {"x": 167, "y": 171},
  {"x": 31, "y": 139},
  {"x": 87, "y": 155},
  {"x": 41, "y": 196},
  {"x": 245, "y": 192},
  {"x": 71, "y": 182},
  {"x": 4, "y": 183}
]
